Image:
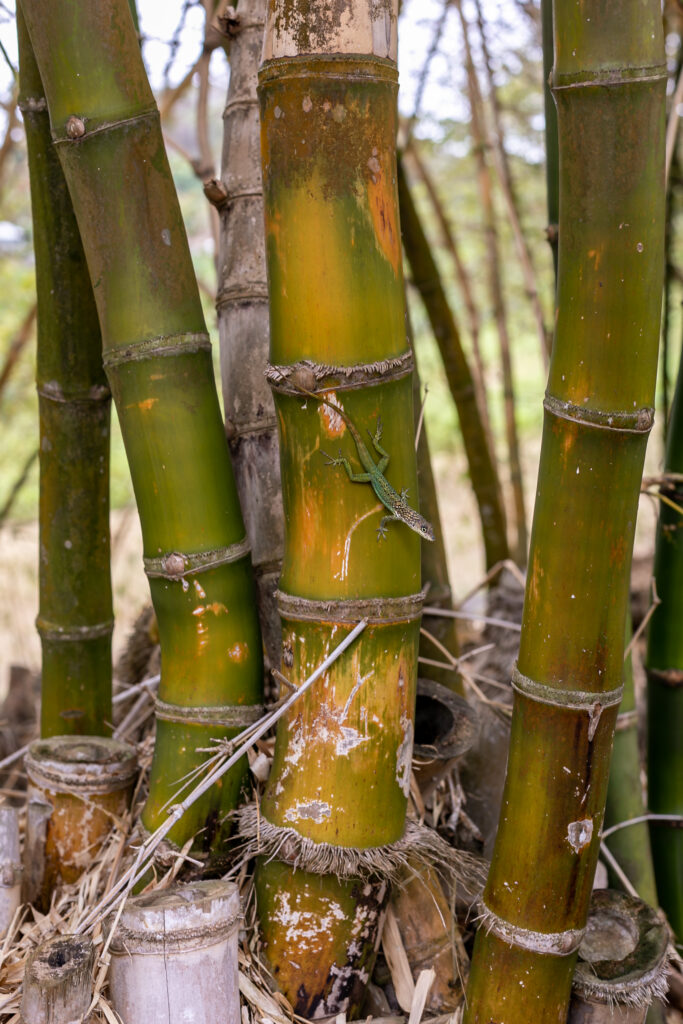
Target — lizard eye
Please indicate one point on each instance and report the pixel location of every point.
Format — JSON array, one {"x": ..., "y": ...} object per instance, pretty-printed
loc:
[{"x": 424, "y": 529}]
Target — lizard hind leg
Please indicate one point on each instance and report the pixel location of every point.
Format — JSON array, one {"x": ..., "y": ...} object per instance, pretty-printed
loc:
[{"x": 382, "y": 452}]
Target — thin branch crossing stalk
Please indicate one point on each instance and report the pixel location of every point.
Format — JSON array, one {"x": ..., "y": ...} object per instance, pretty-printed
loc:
[{"x": 609, "y": 82}]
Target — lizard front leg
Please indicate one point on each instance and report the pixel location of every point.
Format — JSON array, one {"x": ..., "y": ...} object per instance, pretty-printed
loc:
[
  {"x": 341, "y": 460},
  {"x": 382, "y": 528}
]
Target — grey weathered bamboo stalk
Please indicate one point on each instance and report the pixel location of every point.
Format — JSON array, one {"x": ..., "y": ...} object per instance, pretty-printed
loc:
[{"x": 242, "y": 306}]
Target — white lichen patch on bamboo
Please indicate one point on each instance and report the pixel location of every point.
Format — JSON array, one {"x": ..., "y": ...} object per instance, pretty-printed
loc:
[
  {"x": 404, "y": 755},
  {"x": 341, "y": 27},
  {"x": 332, "y": 422},
  {"x": 306, "y": 929},
  {"x": 579, "y": 834},
  {"x": 313, "y": 810}
]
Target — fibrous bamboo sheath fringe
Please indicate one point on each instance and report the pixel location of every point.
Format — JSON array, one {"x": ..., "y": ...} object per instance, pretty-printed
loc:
[
  {"x": 418, "y": 845},
  {"x": 551, "y": 943},
  {"x": 311, "y": 375},
  {"x": 639, "y": 991},
  {"x": 374, "y": 609},
  {"x": 638, "y": 422},
  {"x": 177, "y": 564},
  {"x": 229, "y": 715}
]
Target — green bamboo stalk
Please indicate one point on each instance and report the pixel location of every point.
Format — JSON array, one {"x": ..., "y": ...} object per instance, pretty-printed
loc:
[
  {"x": 427, "y": 280},
  {"x": 551, "y": 145},
  {"x": 665, "y": 680},
  {"x": 609, "y": 80},
  {"x": 341, "y": 771},
  {"x": 75, "y": 617},
  {"x": 630, "y": 846},
  {"x": 157, "y": 354},
  {"x": 434, "y": 562},
  {"x": 479, "y": 134}
]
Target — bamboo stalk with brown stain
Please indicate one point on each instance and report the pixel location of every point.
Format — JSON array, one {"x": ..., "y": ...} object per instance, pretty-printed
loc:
[
  {"x": 328, "y": 114},
  {"x": 609, "y": 81}
]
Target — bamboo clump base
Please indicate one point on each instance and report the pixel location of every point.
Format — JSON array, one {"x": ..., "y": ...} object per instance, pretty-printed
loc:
[{"x": 72, "y": 903}]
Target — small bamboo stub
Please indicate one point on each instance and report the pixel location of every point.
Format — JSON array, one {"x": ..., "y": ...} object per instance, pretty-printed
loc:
[
  {"x": 87, "y": 782},
  {"x": 623, "y": 961},
  {"x": 174, "y": 956},
  {"x": 58, "y": 981}
]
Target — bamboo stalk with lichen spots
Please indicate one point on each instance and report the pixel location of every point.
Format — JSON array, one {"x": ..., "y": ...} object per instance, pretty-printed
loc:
[
  {"x": 105, "y": 126},
  {"x": 75, "y": 617},
  {"x": 665, "y": 680},
  {"x": 328, "y": 114},
  {"x": 609, "y": 81},
  {"x": 426, "y": 278}
]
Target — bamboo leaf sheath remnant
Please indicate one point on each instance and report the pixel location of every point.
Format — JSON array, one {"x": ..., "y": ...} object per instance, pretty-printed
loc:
[{"x": 609, "y": 82}]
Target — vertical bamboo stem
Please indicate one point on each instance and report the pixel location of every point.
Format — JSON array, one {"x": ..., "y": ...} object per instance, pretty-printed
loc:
[
  {"x": 242, "y": 306},
  {"x": 75, "y": 618},
  {"x": 665, "y": 681},
  {"x": 510, "y": 194},
  {"x": 497, "y": 298},
  {"x": 157, "y": 355},
  {"x": 483, "y": 476},
  {"x": 609, "y": 80},
  {"x": 328, "y": 112}
]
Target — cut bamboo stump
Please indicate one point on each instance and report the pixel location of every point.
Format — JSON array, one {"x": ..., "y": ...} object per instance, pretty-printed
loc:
[
  {"x": 622, "y": 963},
  {"x": 10, "y": 866},
  {"x": 445, "y": 727},
  {"x": 58, "y": 981},
  {"x": 445, "y": 724},
  {"x": 174, "y": 956},
  {"x": 87, "y": 782}
]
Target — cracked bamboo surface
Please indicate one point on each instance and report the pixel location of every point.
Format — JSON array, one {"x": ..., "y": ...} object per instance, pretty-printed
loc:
[
  {"x": 75, "y": 617},
  {"x": 609, "y": 83},
  {"x": 106, "y": 129},
  {"x": 328, "y": 113}
]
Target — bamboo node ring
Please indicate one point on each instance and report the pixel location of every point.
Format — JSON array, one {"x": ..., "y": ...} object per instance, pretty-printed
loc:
[
  {"x": 552, "y": 943},
  {"x": 176, "y": 565}
]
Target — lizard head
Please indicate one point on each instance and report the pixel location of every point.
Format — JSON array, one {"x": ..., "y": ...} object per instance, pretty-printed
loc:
[{"x": 420, "y": 525}]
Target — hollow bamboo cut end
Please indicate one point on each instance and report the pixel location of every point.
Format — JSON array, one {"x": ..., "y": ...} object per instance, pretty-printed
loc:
[
  {"x": 174, "y": 956},
  {"x": 82, "y": 786},
  {"x": 622, "y": 964},
  {"x": 58, "y": 981}
]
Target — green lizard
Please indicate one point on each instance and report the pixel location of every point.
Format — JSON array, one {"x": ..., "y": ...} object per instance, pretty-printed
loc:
[{"x": 394, "y": 502}]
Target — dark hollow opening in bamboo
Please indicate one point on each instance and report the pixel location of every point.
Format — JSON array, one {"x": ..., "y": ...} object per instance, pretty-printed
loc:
[
  {"x": 58, "y": 957},
  {"x": 445, "y": 724}
]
